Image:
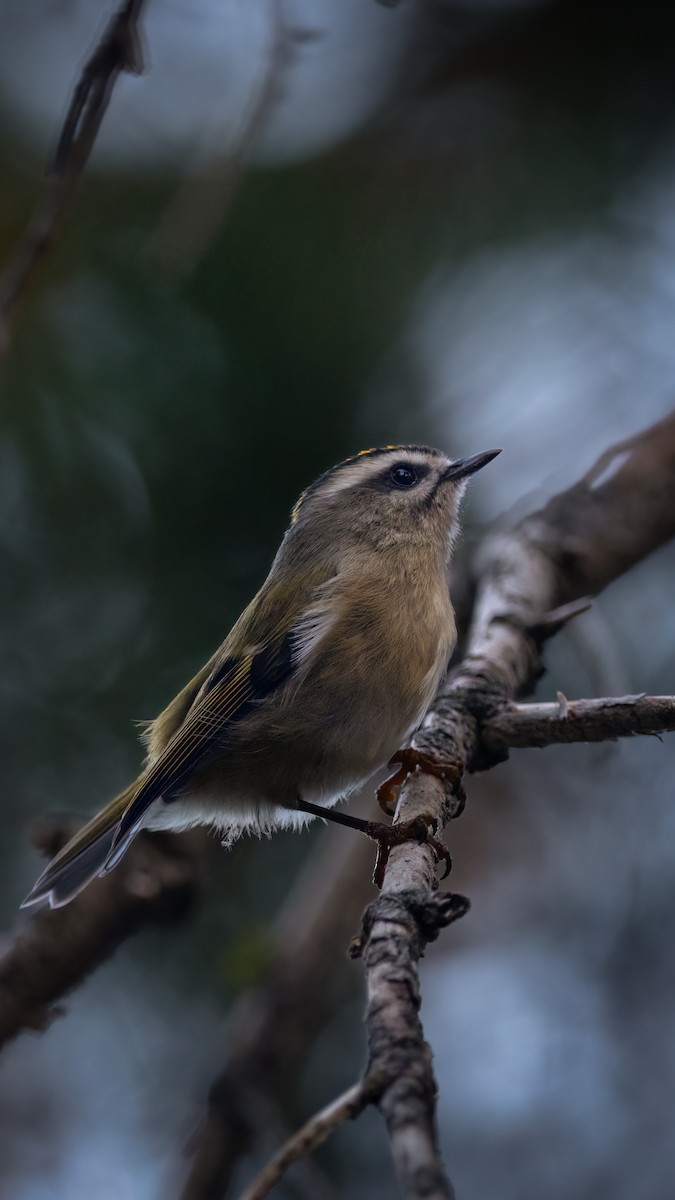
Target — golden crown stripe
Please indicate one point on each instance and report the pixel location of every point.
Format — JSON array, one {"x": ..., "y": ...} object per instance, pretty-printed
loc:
[{"x": 295, "y": 511}]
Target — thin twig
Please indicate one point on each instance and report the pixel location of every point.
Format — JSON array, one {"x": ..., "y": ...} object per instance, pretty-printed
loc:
[
  {"x": 117, "y": 51},
  {"x": 522, "y": 725},
  {"x": 312, "y": 1135}
]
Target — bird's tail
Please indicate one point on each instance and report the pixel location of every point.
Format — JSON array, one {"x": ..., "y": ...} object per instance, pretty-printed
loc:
[{"x": 82, "y": 858}]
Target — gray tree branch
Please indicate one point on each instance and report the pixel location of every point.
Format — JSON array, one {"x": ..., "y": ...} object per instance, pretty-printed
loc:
[
  {"x": 523, "y": 725},
  {"x": 583, "y": 539}
]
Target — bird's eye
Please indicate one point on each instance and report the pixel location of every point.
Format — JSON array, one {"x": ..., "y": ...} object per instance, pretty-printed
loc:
[{"x": 403, "y": 476}]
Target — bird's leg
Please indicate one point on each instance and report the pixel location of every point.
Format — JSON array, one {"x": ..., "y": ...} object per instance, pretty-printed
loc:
[
  {"x": 412, "y": 760},
  {"x": 386, "y": 836}
]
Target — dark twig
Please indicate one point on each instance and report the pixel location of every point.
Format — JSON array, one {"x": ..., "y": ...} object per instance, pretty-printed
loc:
[
  {"x": 57, "y": 949},
  {"x": 117, "y": 51}
]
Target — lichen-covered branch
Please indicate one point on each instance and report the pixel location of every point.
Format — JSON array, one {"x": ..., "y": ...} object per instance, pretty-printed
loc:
[
  {"x": 117, "y": 51},
  {"x": 396, "y": 928},
  {"x": 522, "y": 725},
  {"x": 585, "y": 537}
]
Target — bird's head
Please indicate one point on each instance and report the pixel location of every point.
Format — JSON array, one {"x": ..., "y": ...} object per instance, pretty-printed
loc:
[{"x": 388, "y": 497}]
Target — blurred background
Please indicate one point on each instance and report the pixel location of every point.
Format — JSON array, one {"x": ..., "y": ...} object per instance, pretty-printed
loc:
[{"x": 306, "y": 229}]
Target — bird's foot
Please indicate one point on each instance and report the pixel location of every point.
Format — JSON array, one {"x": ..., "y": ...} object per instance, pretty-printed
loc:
[
  {"x": 411, "y": 760},
  {"x": 420, "y": 829}
]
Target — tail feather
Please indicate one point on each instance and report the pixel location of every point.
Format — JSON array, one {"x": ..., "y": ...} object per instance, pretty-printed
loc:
[{"x": 83, "y": 857}]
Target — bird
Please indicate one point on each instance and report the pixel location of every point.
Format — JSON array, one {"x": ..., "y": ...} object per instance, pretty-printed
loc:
[{"x": 323, "y": 678}]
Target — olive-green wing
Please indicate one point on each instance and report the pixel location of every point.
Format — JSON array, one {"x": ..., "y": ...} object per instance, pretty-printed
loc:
[{"x": 233, "y": 687}]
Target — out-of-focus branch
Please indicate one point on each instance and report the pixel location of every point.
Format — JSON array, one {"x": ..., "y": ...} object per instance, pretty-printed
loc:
[
  {"x": 307, "y": 1139},
  {"x": 117, "y": 51},
  {"x": 198, "y": 209},
  {"x": 272, "y": 1024},
  {"x": 620, "y": 511},
  {"x": 57, "y": 949},
  {"x": 585, "y": 537},
  {"x": 522, "y": 725},
  {"x": 532, "y": 577}
]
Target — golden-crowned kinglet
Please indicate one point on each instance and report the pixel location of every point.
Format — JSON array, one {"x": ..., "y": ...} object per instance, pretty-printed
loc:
[{"x": 324, "y": 676}]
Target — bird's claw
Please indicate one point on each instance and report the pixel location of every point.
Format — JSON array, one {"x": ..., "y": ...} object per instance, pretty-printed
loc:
[
  {"x": 417, "y": 830},
  {"x": 411, "y": 760}
]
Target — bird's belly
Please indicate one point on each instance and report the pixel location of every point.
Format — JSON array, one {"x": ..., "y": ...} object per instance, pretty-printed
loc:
[{"x": 319, "y": 754}]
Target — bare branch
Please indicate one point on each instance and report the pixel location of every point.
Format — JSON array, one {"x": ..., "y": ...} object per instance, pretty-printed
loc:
[
  {"x": 395, "y": 930},
  {"x": 271, "y": 1024},
  {"x": 118, "y": 51},
  {"x": 312, "y": 1135},
  {"x": 57, "y": 949},
  {"x": 522, "y": 725},
  {"x": 621, "y": 510},
  {"x": 575, "y": 546}
]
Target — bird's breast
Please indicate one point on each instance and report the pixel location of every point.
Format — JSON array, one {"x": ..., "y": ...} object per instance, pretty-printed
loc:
[{"x": 380, "y": 666}]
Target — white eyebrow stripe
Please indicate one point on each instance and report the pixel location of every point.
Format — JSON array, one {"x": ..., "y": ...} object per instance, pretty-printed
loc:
[{"x": 361, "y": 470}]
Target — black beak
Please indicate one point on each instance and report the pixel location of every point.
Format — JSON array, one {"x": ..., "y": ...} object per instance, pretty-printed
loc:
[{"x": 468, "y": 466}]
